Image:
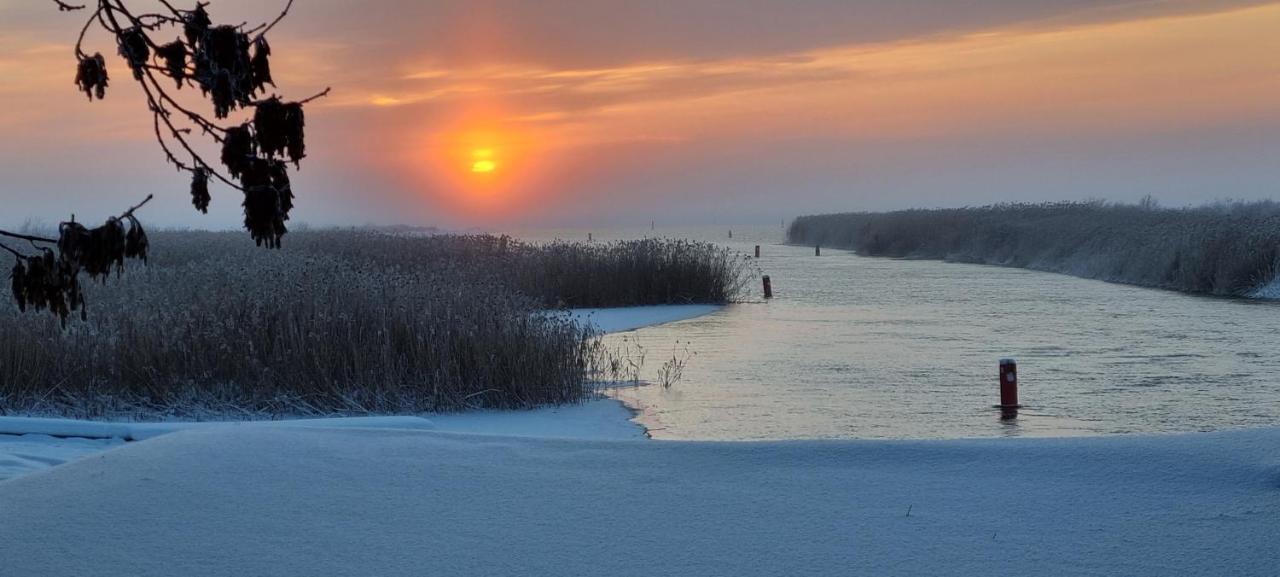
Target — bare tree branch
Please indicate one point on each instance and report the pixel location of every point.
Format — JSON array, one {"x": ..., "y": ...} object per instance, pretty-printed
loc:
[
  {"x": 14, "y": 252},
  {"x": 273, "y": 23},
  {"x": 64, "y": 7},
  {"x": 28, "y": 237}
]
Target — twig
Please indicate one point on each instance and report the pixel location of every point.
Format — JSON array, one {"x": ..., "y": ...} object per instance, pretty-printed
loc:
[
  {"x": 64, "y": 7},
  {"x": 85, "y": 30},
  {"x": 14, "y": 252},
  {"x": 276, "y": 21},
  {"x": 320, "y": 94},
  {"x": 35, "y": 239},
  {"x": 28, "y": 237},
  {"x": 129, "y": 213}
]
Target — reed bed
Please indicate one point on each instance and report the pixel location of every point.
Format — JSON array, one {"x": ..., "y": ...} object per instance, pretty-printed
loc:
[
  {"x": 1225, "y": 249},
  {"x": 565, "y": 274},
  {"x": 337, "y": 322},
  {"x": 630, "y": 273}
]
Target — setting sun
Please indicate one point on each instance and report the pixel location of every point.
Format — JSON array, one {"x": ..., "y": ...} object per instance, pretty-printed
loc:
[{"x": 482, "y": 160}]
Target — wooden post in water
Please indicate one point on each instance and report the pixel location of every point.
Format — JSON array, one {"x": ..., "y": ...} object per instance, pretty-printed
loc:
[
  {"x": 768, "y": 288},
  {"x": 757, "y": 251},
  {"x": 1008, "y": 384},
  {"x": 817, "y": 250},
  {"x": 731, "y": 233},
  {"x": 589, "y": 237}
]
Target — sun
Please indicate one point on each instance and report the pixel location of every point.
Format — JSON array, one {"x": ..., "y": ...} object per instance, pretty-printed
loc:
[{"x": 482, "y": 161}]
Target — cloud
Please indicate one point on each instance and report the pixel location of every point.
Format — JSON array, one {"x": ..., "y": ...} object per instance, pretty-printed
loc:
[{"x": 627, "y": 106}]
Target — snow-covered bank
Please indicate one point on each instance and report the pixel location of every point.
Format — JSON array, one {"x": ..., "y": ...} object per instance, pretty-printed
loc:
[
  {"x": 28, "y": 453},
  {"x": 306, "y": 501},
  {"x": 1268, "y": 291},
  {"x": 597, "y": 419},
  {"x": 30, "y": 444},
  {"x": 616, "y": 320}
]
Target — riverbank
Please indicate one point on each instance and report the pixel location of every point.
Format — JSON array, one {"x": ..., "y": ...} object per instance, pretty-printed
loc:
[
  {"x": 1222, "y": 249},
  {"x": 30, "y": 444}
]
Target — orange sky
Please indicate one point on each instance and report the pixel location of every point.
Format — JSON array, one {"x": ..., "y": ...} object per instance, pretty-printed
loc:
[{"x": 619, "y": 118}]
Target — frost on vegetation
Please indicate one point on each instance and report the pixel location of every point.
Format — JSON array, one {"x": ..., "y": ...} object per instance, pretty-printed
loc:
[
  {"x": 340, "y": 322},
  {"x": 1226, "y": 249}
]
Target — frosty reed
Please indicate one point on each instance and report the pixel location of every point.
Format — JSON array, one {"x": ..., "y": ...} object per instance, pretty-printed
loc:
[
  {"x": 1226, "y": 249},
  {"x": 341, "y": 322}
]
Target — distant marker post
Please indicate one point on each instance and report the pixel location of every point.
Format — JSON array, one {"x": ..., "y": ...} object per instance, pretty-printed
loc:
[
  {"x": 1008, "y": 384},
  {"x": 757, "y": 251},
  {"x": 768, "y": 288},
  {"x": 817, "y": 250}
]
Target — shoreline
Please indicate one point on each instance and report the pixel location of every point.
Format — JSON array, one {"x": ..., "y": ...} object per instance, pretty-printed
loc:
[
  {"x": 31, "y": 444},
  {"x": 1264, "y": 293}
]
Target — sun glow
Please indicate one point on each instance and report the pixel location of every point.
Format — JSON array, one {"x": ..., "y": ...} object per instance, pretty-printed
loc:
[
  {"x": 477, "y": 166},
  {"x": 482, "y": 161}
]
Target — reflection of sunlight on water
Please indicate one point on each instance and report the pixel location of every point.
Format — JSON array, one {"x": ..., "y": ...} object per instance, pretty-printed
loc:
[{"x": 877, "y": 348}]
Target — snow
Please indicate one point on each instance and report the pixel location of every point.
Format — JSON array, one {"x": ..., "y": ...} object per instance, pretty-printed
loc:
[
  {"x": 140, "y": 431},
  {"x": 1270, "y": 290},
  {"x": 389, "y": 502},
  {"x": 30, "y": 444},
  {"x": 595, "y": 419},
  {"x": 616, "y": 320},
  {"x": 22, "y": 454}
]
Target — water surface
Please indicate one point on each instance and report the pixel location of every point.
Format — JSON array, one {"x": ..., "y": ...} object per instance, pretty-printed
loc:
[{"x": 855, "y": 347}]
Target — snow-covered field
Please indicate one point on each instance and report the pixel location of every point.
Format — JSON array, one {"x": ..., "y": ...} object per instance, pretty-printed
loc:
[
  {"x": 578, "y": 491},
  {"x": 317, "y": 501}
]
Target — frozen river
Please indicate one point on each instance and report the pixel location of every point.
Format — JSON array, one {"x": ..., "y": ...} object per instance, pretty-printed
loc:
[{"x": 855, "y": 347}]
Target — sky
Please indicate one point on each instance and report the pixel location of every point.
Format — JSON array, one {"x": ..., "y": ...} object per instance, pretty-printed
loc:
[{"x": 515, "y": 113}]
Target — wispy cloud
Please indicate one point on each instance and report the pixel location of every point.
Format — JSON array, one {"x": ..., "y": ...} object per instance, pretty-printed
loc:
[{"x": 603, "y": 91}]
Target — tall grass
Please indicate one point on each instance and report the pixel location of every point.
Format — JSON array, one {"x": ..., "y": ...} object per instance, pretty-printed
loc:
[
  {"x": 565, "y": 274},
  {"x": 1228, "y": 249},
  {"x": 338, "y": 322},
  {"x": 627, "y": 273}
]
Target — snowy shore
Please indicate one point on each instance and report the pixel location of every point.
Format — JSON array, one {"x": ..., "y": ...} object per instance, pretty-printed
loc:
[
  {"x": 577, "y": 491},
  {"x": 31, "y": 444},
  {"x": 387, "y": 502}
]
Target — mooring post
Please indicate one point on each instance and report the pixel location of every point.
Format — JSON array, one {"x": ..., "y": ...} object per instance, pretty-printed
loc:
[
  {"x": 1008, "y": 384},
  {"x": 817, "y": 250},
  {"x": 757, "y": 251},
  {"x": 768, "y": 288}
]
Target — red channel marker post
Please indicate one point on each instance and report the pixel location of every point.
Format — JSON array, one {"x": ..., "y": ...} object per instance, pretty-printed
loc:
[{"x": 1008, "y": 384}]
